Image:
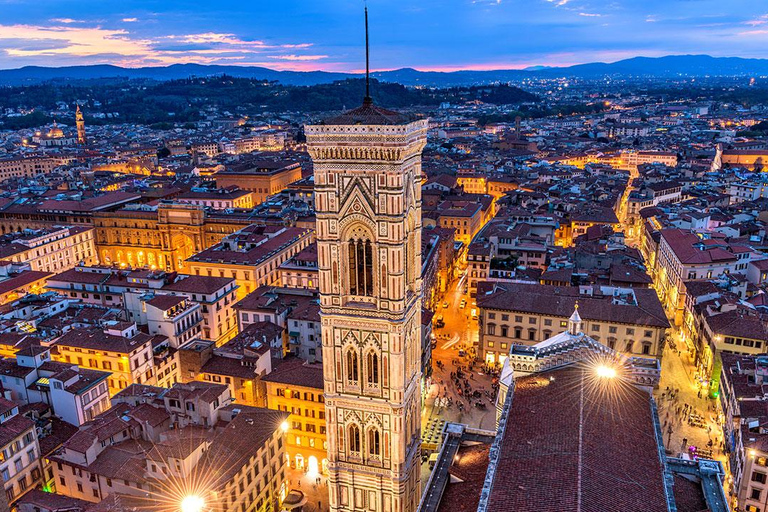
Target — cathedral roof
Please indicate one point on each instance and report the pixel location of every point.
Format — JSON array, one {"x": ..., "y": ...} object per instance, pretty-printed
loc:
[{"x": 369, "y": 114}]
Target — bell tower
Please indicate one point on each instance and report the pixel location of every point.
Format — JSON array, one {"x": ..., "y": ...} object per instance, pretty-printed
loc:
[
  {"x": 80, "y": 123},
  {"x": 367, "y": 165}
]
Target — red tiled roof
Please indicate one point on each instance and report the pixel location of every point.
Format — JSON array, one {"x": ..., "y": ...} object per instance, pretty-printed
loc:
[
  {"x": 207, "y": 285},
  {"x": 570, "y": 446},
  {"x": 13, "y": 428},
  {"x": 90, "y": 204},
  {"x": 369, "y": 114},
  {"x": 98, "y": 340},
  {"x": 559, "y": 301},
  {"x": 684, "y": 245},
  {"x": 462, "y": 494},
  {"x": 297, "y": 372},
  {"x": 23, "y": 279},
  {"x": 688, "y": 495},
  {"x": 165, "y": 302}
]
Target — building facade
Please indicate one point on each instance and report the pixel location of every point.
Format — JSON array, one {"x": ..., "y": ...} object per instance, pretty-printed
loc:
[
  {"x": 296, "y": 387},
  {"x": 50, "y": 250},
  {"x": 367, "y": 165},
  {"x": 20, "y": 450},
  {"x": 628, "y": 320},
  {"x": 160, "y": 237}
]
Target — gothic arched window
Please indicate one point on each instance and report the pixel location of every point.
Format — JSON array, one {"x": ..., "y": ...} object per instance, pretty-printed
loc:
[
  {"x": 354, "y": 438},
  {"x": 352, "y": 366},
  {"x": 374, "y": 442},
  {"x": 360, "y": 267},
  {"x": 372, "y": 367}
]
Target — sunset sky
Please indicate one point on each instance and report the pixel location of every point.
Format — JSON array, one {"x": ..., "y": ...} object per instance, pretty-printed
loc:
[{"x": 328, "y": 34}]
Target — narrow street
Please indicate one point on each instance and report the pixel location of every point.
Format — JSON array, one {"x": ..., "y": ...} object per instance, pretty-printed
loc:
[{"x": 454, "y": 348}]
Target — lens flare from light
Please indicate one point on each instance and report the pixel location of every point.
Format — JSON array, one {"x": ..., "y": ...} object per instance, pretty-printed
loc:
[
  {"x": 192, "y": 503},
  {"x": 605, "y": 372}
]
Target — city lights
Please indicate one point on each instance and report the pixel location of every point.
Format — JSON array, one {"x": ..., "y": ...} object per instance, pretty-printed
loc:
[{"x": 544, "y": 273}]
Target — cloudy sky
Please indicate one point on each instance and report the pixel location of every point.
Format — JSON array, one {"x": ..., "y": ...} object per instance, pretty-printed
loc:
[{"x": 328, "y": 34}]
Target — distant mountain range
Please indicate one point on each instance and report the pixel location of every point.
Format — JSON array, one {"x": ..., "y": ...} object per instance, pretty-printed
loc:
[{"x": 637, "y": 67}]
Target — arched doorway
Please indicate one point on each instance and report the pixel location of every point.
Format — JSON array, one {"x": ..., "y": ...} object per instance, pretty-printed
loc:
[
  {"x": 299, "y": 461},
  {"x": 183, "y": 247},
  {"x": 312, "y": 467}
]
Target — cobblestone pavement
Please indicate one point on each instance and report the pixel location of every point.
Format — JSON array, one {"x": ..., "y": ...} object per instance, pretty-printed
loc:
[
  {"x": 317, "y": 494},
  {"x": 444, "y": 391},
  {"x": 678, "y": 389},
  {"x": 454, "y": 348}
]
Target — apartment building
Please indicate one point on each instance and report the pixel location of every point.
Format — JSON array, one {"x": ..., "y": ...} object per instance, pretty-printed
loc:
[
  {"x": 263, "y": 178},
  {"x": 239, "y": 364},
  {"x": 628, "y": 320},
  {"x": 156, "y": 442},
  {"x": 219, "y": 199},
  {"x": 742, "y": 398},
  {"x": 301, "y": 270},
  {"x": 465, "y": 217},
  {"x": 20, "y": 461},
  {"x": 74, "y": 394},
  {"x": 51, "y": 249},
  {"x": 131, "y": 289},
  {"x": 252, "y": 256},
  {"x": 683, "y": 256},
  {"x": 120, "y": 349},
  {"x": 29, "y": 166},
  {"x": 296, "y": 387}
]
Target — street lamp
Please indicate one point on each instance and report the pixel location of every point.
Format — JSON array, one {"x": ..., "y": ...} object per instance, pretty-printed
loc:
[{"x": 192, "y": 503}]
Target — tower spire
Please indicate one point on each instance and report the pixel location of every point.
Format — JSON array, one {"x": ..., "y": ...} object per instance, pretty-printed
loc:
[
  {"x": 574, "y": 323},
  {"x": 367, "y": 100}
]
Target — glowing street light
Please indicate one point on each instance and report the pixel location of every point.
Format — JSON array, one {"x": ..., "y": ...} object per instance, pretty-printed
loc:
[
  {"x": 192, "y": 503},
  {"x": 605, "y": 372},
  {"x": 285, "y": 426}
]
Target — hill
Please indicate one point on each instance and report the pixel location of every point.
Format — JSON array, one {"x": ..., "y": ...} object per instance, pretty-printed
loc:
[
  {"x": 138, "y": 101},
  {"x": 637, "y": 67}
]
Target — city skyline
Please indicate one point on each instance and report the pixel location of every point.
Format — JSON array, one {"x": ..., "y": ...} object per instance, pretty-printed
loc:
[{"x": 459, "y": 34}]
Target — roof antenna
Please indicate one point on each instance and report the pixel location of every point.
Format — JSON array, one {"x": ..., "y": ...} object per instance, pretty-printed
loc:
[{"x": 367, "y": 100}]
